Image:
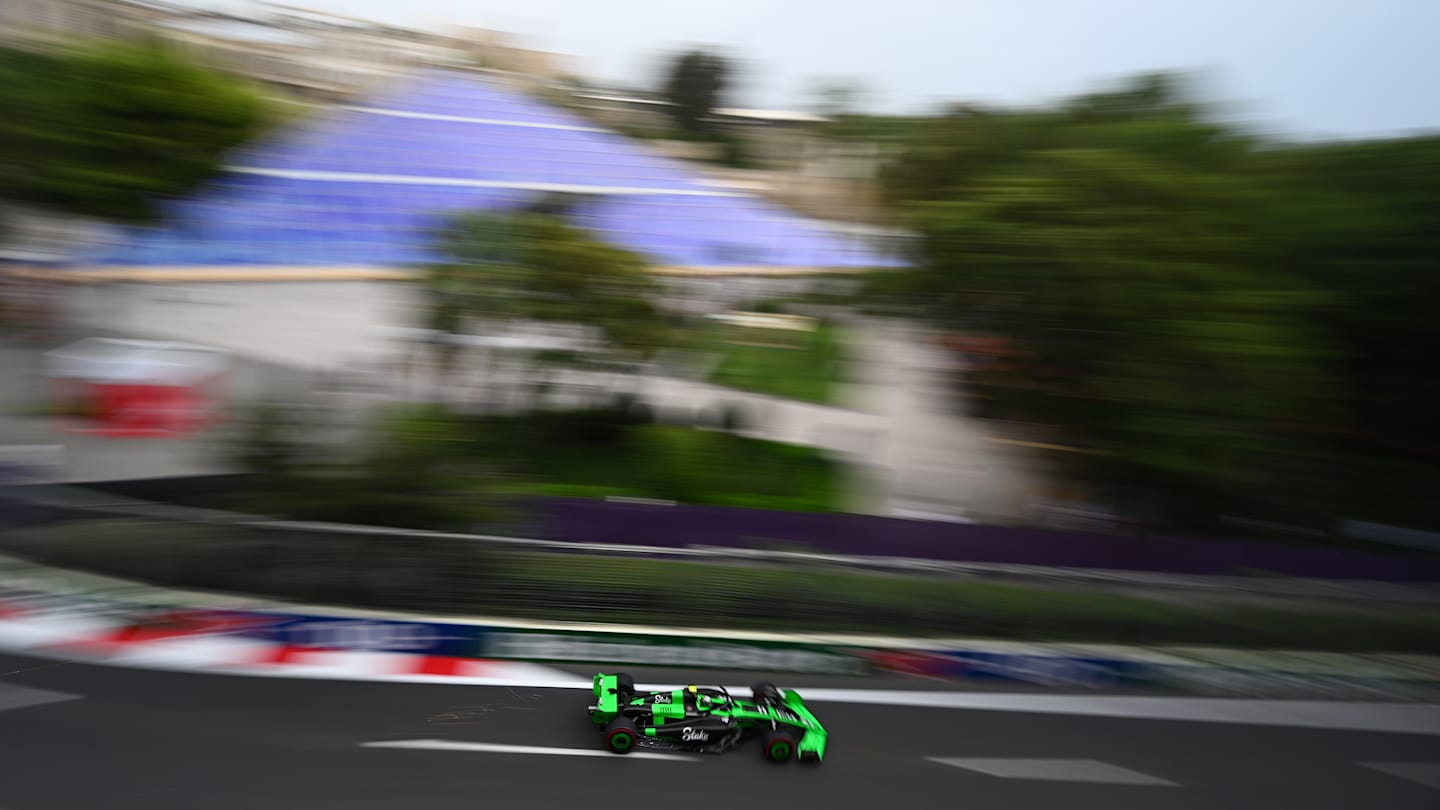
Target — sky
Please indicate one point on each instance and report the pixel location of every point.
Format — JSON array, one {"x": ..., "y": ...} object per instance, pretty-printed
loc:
[{"x": 1297, "y": 68}]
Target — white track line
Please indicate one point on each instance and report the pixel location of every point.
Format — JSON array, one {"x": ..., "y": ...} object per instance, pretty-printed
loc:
[
  {"x": 1055, "y": 770},
  {"x": 428, "y": 180},
  {"x": 23, "y": 697},
  {"x": 1408, "y": 718},
  {"x": 464, "y": 119},
  {"x": 496, "y": 748},
  {"x": 1421, "y": 773}
]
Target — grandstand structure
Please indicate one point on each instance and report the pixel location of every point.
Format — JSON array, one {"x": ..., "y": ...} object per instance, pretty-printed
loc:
[{"x": 356, "y": 192}]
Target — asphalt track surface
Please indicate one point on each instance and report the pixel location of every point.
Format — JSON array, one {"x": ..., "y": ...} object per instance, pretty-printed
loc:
[{"x": 76, "y": 737}]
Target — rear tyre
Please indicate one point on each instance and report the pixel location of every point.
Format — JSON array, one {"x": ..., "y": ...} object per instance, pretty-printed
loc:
[
  {"x": 625, "y": 684},
  {"x": 779, "y": 746},
  {"x": 621, "y": 735}
]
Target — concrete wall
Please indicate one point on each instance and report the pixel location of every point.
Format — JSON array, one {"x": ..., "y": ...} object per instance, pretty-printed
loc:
[{"x": 307, "y": 325}]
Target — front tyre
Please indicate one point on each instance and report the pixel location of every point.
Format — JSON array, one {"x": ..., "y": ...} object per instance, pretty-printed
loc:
[
  {"x": 779, "y": 746},
  {"x": 621, "y": 735},
  {"x": 765, "y": 692}
]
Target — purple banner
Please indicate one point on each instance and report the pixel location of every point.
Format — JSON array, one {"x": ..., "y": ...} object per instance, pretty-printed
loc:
[{"x": 683, "y": 526}]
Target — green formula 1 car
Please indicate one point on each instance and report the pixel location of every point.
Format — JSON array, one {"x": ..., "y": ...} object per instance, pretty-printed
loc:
[{"x": 706, "y": 719}]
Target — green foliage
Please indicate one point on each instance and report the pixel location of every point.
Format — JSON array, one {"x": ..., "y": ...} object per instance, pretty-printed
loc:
[
  {"x": 1365, "y": 217},
  {"x": 404, "y": 477},
  {"x": 1162, "y": 333},
  {"x": 608, "y": 452},
  {"x": 1139, "y": 271},
  {"x": 796, "y": 365},
  {"x": 113, "y": 130},
  {"x": 1152, "y": 118},
  {"x": 536, "y": 267},
  {"x": 1234, "y": 325},
  {"x": 734, "y": 152},
  {"x": 694, "y": 88},
  {"x": 769, "y": 306},
  {"x": 885, "y": 129}
]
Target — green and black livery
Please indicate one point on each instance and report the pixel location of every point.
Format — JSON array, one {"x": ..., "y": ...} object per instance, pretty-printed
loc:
[{"x": 706, "y": 719}]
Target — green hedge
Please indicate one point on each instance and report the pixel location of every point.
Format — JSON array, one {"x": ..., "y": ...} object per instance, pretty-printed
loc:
[
  {"x": 598, "y": 454},
  {"x": 795, "y": 365}
]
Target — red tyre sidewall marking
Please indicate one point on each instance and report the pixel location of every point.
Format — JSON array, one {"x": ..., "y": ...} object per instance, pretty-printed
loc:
[{"x": 610, "y": 739}]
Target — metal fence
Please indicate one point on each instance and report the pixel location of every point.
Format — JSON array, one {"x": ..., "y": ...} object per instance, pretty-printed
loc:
[
  {"x": 1158, "y": 559},
  {"x": 677, "y": 584}
]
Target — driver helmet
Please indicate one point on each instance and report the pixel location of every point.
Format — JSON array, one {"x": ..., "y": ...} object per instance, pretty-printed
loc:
[{"x": 703, "y": 702}]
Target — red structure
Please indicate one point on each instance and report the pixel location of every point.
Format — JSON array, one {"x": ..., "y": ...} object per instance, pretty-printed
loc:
[{"x": 138, "y": 388}]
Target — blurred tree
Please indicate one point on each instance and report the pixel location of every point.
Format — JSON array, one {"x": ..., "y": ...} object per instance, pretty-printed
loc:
[
  {"x": 113, "y": 130},
  {"x": 537, "y": 267},
  {"x": 1369, "y": 235},
  {"x": 269, "y": 443},
  {"x": 1153, "y": 116},
  {"x": 529, "y": 267},
  {"x": 1140, "y": 304},
  {"x": 694, "y": 88},
  {"x": 1130, "y": 263},
  {"x": 412, "y": 473}
]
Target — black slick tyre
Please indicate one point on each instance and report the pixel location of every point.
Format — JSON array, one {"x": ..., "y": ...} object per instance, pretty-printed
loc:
[
  {"x": 778, "y": 747},
  {"x": 764, "y": 691},
  {"x": 621, "y": 736}
]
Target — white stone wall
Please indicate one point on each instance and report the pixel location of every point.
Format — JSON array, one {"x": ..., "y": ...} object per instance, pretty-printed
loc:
[{"x": 320, "y": 325}]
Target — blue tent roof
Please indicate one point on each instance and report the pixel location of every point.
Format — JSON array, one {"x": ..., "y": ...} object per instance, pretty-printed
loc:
[{"x": 366, "y": 185}]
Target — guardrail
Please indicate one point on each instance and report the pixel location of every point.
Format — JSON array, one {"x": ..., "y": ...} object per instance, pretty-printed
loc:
[
  {"x": 554, "y": 580},
  {"x": 69, "y": 500},
  {"x": 115, "y": 614}
]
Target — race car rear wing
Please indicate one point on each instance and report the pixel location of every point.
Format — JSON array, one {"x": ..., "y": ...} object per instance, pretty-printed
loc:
[{"x": 607, "y": 696}]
